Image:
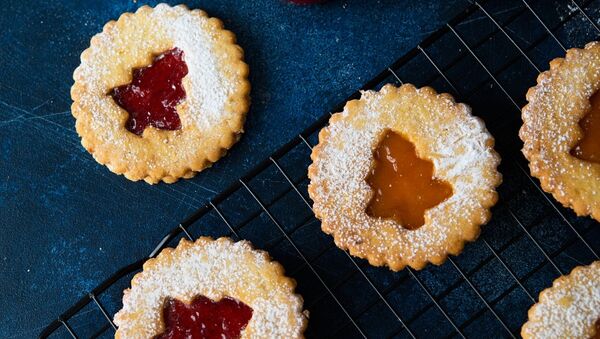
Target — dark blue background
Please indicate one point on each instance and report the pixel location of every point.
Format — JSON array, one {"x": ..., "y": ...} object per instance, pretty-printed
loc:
[{"x": 68, "y": 222}]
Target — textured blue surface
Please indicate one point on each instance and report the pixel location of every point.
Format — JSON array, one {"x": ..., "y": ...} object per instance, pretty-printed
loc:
[{"x": 68, "y": 222}]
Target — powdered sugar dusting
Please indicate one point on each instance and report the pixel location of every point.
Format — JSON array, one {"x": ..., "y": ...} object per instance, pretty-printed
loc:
[
  {"x": 212, "y": 83},
  {"x": 551, "y": 129},
  {"x": 570, "y": 308},
  {"x": 447, "y": 134},
  {"x": 210, "y": 88},
  {"x": 214, "y": 269}
]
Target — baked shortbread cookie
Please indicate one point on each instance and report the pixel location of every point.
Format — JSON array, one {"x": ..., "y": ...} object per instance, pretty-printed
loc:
[
  {"x": 161, "y": 93},
  {"x": 211, "y": 289},
  {"x": 404, "y": 176},
  {"x": 568, "y": 309},
  {"x": 561, "y": 130}
]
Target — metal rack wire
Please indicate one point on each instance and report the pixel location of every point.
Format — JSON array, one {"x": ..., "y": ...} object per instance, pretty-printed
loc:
[{"x": 484, "y": 59}]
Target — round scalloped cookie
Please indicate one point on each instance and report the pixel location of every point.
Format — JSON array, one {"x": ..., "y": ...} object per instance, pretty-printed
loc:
[
  {"x": 551, "y": 129},
  {"x": 443, "y": 132},
  {"x": 214, "y": 269},
  {"x": 568, "y": 309},
  {"x": 212, "y": 114}
]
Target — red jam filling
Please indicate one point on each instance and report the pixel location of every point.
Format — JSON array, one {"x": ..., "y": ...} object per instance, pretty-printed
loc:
[
  {"x": 204, "y": 318},
  {"x": 588, "y": 148},
  {"x": 403, "y": 184},
  {"x": 152, "y": 96}
]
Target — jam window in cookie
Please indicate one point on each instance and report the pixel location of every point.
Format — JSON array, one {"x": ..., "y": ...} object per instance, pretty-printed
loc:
[
  {"x": 402, "y": 183},
  {"x": 588, "y": 148},
  {"x": 152, "y": 97},
  {"x": 204, "y": 318}
]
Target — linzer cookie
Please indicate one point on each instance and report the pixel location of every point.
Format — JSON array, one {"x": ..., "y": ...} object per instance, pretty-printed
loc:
[
  {"x": 161, "y": 93},
  {"x": 211, "y": 289},
  {"x": 561, "y": 130},
  {"x": 568, "y": 309},
  {"x": 404, "y": 176}
]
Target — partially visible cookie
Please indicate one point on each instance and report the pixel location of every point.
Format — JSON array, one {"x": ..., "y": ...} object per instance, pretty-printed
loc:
[
  {"x": 161, "y": 93},
  {"x": 568, "y": 309},
  {"x": 404, "y": 176},
  {"x": 561, "y": 130},
  {"x": 211, "y": 288}
]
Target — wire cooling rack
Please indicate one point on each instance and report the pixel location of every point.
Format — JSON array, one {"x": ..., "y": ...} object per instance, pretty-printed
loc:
[{"x": 486, "y": 60}]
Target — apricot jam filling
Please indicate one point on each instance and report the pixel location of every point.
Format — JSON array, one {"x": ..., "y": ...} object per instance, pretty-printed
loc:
[
  {"x": 204, "y": 318},
  {"x": 402, "y": 183},
  {"x": 153, "y": 94},
  {"x": 588, "y": 148}
]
